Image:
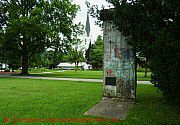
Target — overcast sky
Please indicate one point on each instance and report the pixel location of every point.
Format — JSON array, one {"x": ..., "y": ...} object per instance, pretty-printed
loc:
[{"x": 82, "y": 15}]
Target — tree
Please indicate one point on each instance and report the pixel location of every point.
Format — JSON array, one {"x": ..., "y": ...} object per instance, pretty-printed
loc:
[
  {"x": 153, "y": 28},
  {"x": 54, "y": 58},
  {"x": 75, "y": 56},
  {"x": 142, "y": 62},
  {"x": 96, "y": 54},
  {"x": 87, "y": 53},
  {"x": 48, "y": 59},
  {"x": 35, "y": 25},
  {"x": 9, "y": 52}
]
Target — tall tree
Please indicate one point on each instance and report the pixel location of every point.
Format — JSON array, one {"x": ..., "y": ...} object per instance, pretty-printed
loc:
[
  {"x": 96, "y": 53},
  {"x": 75, "y": 56},
  {"x": 153, "y": 27},
  {"x": 35, "y": 25}
]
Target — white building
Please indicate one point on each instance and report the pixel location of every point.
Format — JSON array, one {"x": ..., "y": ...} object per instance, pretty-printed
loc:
[
  {"x": 3, "y": 66},
  {"x": 69, "y": 66}
]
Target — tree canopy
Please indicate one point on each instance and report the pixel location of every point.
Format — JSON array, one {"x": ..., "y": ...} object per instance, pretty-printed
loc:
[
  {"x": 28, "y": 27},
  {"x": 75, "y": 56},
  {"x": 153, "y": 28},
  {"x": 94, "y": 54}
]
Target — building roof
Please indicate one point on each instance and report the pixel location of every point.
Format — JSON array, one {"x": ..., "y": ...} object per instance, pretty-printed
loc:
[{"x": 73, "y": 64}]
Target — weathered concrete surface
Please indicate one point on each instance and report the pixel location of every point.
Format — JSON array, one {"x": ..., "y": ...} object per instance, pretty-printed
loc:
[
  {"x": 119, "y": 64},
  {"x": 110, "y": 108}
]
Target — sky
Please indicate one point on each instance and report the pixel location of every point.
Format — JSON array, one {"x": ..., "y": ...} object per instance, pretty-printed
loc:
[{"x": 82, "y": 15}]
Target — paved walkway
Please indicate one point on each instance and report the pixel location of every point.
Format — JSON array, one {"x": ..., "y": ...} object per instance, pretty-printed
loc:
[
  {"x": 66, "y": 79},
  {"x": 110, "y": 108}
]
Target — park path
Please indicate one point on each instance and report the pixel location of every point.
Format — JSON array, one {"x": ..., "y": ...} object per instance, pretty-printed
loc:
[{"x": 66, "y": 79}]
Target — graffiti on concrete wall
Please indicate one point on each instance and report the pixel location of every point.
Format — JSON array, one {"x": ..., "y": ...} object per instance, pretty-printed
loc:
[{"x": 119, "y": 61}]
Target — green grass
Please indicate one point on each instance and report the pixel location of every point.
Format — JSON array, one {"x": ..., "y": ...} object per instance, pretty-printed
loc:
[
  {"x": 73, "y": 74},
  {"x": 78, "y": 74},
  {"x": 150, "y": 109},
  {"x": 140, "y": 76},
  {"x": 29, "y": 98},
  {"x": 46, "y": 99}
]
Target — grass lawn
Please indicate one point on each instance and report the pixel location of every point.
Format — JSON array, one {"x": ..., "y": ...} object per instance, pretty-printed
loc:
[
  {"x": 150, "y": 109},
  {"x": 30, "y": 98},
  {"x": 78, "y": 74},
  {"x": 72, "y": 74},
  {"x": 140, "y": 76}
]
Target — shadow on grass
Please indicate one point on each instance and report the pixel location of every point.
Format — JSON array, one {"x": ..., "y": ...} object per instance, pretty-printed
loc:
[{"x": 150, "y": 109}]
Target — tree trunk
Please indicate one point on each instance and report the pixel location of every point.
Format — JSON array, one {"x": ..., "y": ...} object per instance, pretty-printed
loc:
[
  {"x": 76, "y": 66},
  {"x": 135, "y": 66},
  {"x": 12, "y": 69},
  {"x": 145, "y": 73},
  {"x": 1, "y": 66},
  {"x": 25, "y": 59}
]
